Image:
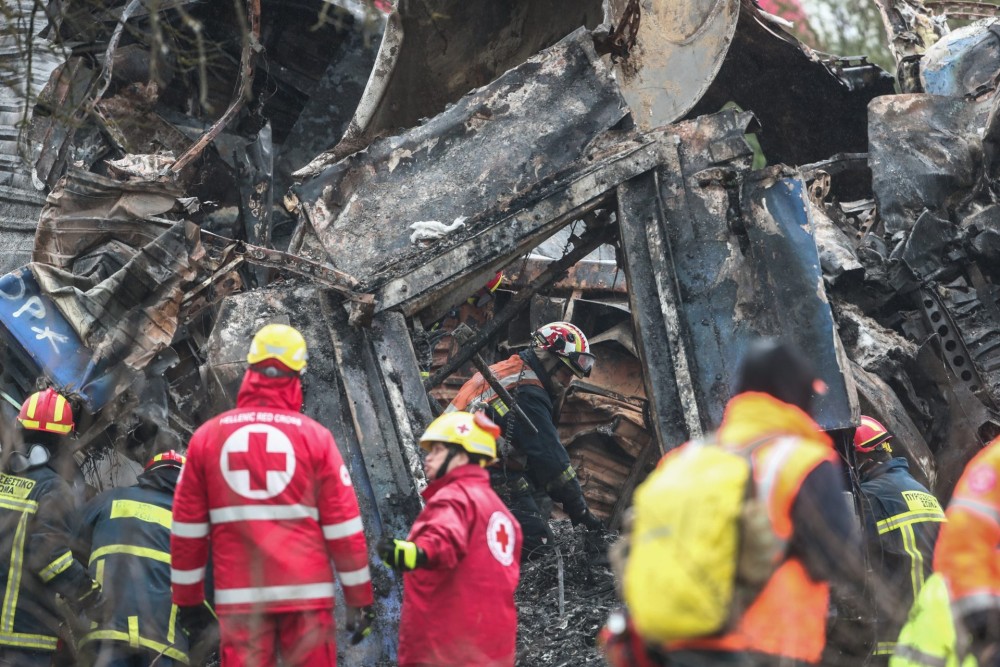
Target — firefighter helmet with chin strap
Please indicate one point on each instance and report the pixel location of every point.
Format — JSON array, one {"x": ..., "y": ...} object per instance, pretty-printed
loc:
[
  {"x": 567, "y": 342},
  {"x": 475, "y": 433},
  {"x": 278, "y": 343},
  {"x": 47, "y": 411},
  {"x": 871, "y": 435}
]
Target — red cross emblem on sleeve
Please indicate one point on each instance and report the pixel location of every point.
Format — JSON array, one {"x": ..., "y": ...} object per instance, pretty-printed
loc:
[{"x": 500, "y": 538}]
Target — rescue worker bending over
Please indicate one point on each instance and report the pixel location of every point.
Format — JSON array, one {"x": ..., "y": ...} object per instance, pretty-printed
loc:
[
  {"x": 902, "y": 519},
  {"x": 785, "y": 624},
  {"x": 266, "y": 489},
  {"x": 36, "y": 562},
  {"x": 536, "y": 378},
  {"x": 462, "y": 556},
  {"x": 967, "y": 555},
  {"x": 124, "y": 533}
]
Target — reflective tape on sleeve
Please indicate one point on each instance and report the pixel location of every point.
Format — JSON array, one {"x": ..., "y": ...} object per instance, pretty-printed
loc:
[
  {"x": 355, "y": 577},
  {"x": 192, "y": 530},
  {"x": 184, "y": 577},
  {"x": 336, "y": 531},
  {"x": 56, "y": 567}
]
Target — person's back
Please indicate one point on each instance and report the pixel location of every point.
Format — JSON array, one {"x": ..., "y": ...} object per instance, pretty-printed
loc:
[
  {"x": 796, "y": 465},
  {"x": 36, "y": 561},
  {"x": 125, "y": 534},
  {"x": 902, "y": 521},
  {"x": 266, "y": 488}
]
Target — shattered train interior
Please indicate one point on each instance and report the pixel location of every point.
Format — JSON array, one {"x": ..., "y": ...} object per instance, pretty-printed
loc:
[{"x": 675, "y": 178}]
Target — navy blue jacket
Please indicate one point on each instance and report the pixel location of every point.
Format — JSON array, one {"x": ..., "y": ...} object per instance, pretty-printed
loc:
[
  {"x": 902, "y": 519},
  {"x": 36, "y": 560},
  {"x": 124, "y": 534}
]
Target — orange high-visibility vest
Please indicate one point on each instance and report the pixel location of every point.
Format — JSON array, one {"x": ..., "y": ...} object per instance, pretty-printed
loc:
[
  {"x": 788, "y": 618},
  {"x": 966, "y": 552},
  {"x": 512, "y": 373}
]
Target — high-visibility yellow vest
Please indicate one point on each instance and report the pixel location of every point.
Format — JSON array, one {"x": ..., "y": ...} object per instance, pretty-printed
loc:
[{"x": 928, "y": 639}]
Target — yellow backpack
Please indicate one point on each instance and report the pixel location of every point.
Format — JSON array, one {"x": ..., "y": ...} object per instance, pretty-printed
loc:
[{"x": 701, "y": 544}]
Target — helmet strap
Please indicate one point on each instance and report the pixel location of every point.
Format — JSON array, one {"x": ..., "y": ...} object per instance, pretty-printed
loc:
[{"x": 453, "y": 450}]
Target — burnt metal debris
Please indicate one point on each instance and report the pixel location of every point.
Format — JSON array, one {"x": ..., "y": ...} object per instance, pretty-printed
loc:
[{"x": 168, "y": 185}]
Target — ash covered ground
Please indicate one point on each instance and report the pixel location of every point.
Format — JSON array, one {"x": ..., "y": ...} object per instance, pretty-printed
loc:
[{"x": 546, "y": 638}]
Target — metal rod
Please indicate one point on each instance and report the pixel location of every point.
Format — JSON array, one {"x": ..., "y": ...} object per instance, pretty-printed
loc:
[{"x": 583, "y": 247}]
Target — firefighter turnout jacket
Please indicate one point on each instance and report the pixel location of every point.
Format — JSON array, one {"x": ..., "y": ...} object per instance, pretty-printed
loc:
[
  {"x": 903, "y": 520},
  {"x": 929, "y": 638},
  {"x": 267, "y": 489},
  {"x": 458, "y": 610},
  {"x": 36, "y": 561},
  {"x": 125, "y": 535},
  {"x": 547, "y": 463}
]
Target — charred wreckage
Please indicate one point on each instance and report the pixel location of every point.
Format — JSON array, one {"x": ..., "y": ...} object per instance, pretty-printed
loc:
[{"x": 674, "y": 177}]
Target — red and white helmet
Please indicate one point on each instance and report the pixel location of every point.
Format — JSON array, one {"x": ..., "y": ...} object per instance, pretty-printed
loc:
[
  {"x": 870, "y": 435},
  {"x": 567, "y": 342},
  {"x": 168, "y": 459}
]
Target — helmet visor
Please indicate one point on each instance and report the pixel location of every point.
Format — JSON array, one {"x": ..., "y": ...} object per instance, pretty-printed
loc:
[{"x": 582, "y": 362}]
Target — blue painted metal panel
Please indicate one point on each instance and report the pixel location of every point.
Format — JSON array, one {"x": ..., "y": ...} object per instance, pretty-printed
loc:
[{"x": 32, "y": 321}]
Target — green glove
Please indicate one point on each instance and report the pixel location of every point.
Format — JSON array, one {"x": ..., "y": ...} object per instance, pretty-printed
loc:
[{"x": 400, "y": 554}]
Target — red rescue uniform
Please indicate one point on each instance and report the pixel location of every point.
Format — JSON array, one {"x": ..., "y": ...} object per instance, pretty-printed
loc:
[
  {"x": 267, "y": 490},
  {"x": 459, "y": 610}
]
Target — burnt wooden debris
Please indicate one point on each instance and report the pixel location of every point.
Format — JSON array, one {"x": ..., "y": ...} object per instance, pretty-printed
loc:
[{"x": 166, "y": 189}]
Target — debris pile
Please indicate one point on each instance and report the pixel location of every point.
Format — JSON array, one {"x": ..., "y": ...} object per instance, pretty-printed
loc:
[{"x": 168, "y": 184}]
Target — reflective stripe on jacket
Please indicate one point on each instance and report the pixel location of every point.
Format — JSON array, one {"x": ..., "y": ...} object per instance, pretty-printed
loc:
[
  {"x": 903, "y": 520},
  {"x": 265, "y": 486},
  {"x": 788, "y": 617},
  {"x": 126, "y": 534},
  {"x": 511, "y": 373},
  {"x": 928, "y": 638},
  {"x": 459, "y": 609},
  {"x": 36, "y": 508},
  {"x": 966, "y": 553}
]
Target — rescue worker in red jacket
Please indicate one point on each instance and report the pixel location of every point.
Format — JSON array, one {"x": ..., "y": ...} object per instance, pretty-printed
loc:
[
  {"x": 786, "y": 623},
  {"x": 967, "y": 554},
  {"x": 462, "y": 556},
  {"x": 536, "y": 378},
  {"x": 266, "y": 489}
]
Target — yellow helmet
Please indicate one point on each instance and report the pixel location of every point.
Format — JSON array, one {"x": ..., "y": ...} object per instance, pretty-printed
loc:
[
  {"x": 281, "y": 343},
  {"x": 475, "y": 433}
]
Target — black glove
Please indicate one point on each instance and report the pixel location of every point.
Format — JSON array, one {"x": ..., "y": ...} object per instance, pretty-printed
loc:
[
  {"x": 95, "y": 605},
  {"x": 589, "y": 520},
  {"x": 198, "y": 621},
  {"x": 359, "y": 622},
  {"x": 401, "y": 555}
]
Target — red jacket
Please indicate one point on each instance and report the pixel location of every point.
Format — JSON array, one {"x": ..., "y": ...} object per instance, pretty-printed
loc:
[
  {"x": 459, "y": 609},
  {"x": 267, "y": 489}
]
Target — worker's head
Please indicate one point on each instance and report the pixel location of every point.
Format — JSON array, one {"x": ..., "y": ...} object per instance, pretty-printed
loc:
[
  {"x": 568, "y": 348},
  {"x": 485, "y": 293},
  {"x": 871, "y": 441},
  {"x": 781, "y": 370},
  {"x": 278, "y": 350},
  {"x": 458, "y": 438},
  {"x": 46, "y": 418}
]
